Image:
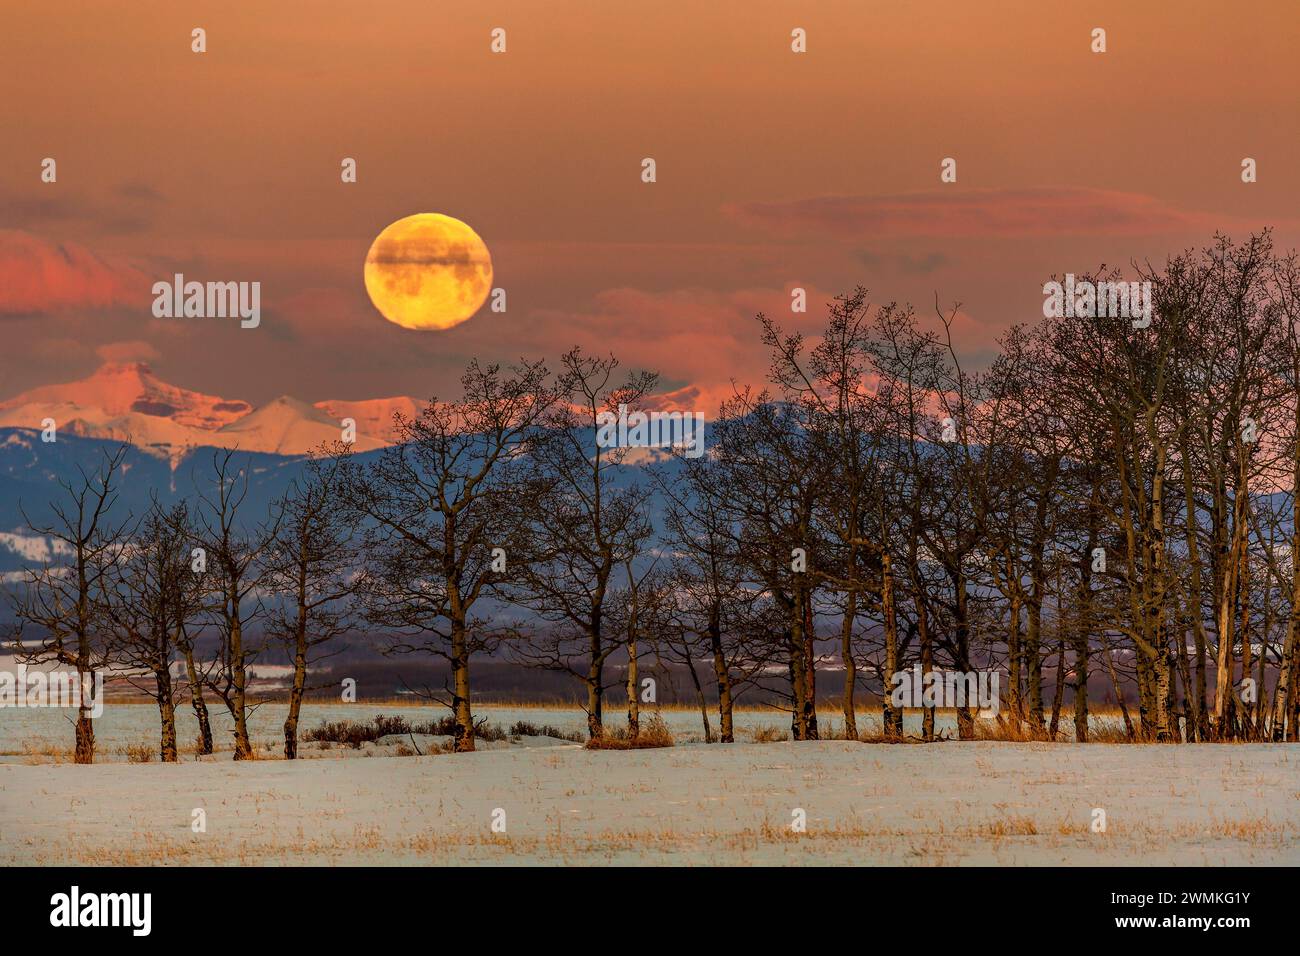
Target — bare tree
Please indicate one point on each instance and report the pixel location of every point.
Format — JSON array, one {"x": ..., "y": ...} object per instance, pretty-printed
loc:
[
  {"x": 310, "y": 567},
  {"x": 231, "y": 548},
  {"x": 639, "y": 611},
  {"x": 832, "y": 384},
  {"x": 444, "y": 512},
  {"x": 58, "y": 598},
  {"x": 148, "y": 599},
  {"x": 586, "y": 526},
  {"x": 711, "y": 603}
]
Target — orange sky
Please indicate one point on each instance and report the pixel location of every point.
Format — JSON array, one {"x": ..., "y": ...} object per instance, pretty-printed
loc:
[{"x": 774, "y": 170}]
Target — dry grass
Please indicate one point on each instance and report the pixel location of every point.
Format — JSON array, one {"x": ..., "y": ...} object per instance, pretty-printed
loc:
[
  {"x": 654, "y": 733},
  {"x": 881, "y": 738},
  {"x": 41, "y": 748},
  {"x": 137, "y": 753},
  {"x": 1110, "y": 732},
  {"x": 933, "y": 843},
  {"x": 1011, "y": 826},
  {"x": 1011, "y": 732},
  {"x": 36, "y": 752}
]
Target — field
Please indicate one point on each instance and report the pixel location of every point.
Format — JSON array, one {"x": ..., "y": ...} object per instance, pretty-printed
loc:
[{"x": 943, "y": 803}]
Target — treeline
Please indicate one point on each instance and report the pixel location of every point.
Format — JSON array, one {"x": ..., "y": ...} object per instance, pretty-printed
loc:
[{"x": 1106, "y": 499}]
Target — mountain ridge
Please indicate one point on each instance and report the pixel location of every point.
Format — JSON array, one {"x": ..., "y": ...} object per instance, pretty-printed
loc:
[{"x": 126, "y": 401}]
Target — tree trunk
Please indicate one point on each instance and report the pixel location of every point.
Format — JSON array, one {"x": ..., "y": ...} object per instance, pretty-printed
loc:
[
  {"x": 595, "y": 703},
  {"x": 1224, "y": 667},
  {"x": 1058, "y": 693},
  {"x": 961, "y": 624},
  {"x": 1146, "y": 694},
  {"x": 893, "y": 717},
  {"x": 850, "y": 668},
  {"x": 1185, "y": 675},
  {"x": 704, "y": 705},
  {"x": 927, "y": 665},
  {"x": 633, "y": 709},
  {"x": 1199, "y": 710},
  {"x": 1286, "y": 669},
  {"x": 85, "y": 752},
  {"x": 1247, "y": 709},
  {"x": 1033, "y": 644},
  {"x": 1086, "y": 622},
  {"x": 798, "y": 674},
  {"x": 1225, "y": 663},
  {"x": 1119, "y": 695},
  {"x": 239, "y": 701},
  {"x": 810, "y": 661},
  {"x": 1285, "y": 693},
  {"x": 1015, "y": 699},
  {"x": 1081, "y": 688},
  {"x": 1163, "y": 687},
  {"x": 463, "y": 716},
  {"x": 298, "y": 689},
  {"x": 723, "y": 678},
  {"x": 199, "y": 706},
  {"x": 167, "y": 715}
]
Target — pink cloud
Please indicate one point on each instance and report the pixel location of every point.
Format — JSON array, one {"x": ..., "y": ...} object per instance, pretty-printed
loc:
[
  {"x": 697, "y": 340},
  {"x": 705, "y": 345},
  {"x": 42, "y": 277},
  {"x": 981, "y": 213}
]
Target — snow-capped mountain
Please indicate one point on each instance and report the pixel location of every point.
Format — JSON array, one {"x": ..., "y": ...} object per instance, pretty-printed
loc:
[
  {"x": 119, "y": 389},
  {"x": 374, "y": 416},
  {"x": 287, "y": 426},
  {"x": 126, "y": 401}
]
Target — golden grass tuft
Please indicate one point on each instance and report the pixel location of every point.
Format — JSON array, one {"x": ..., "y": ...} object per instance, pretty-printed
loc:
[
  {"x": 654, "y": 733},
  {"x": 137, "y": 753}
]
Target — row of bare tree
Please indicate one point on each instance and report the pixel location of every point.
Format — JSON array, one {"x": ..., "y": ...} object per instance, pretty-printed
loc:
[
  {"x": 133, "y": 594},
  {"x": 1102, "y": 501}
]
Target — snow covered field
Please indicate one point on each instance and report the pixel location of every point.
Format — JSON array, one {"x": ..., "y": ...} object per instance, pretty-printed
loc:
[
  {"x": 946, "y": 803},
  {"x": 26, "y": 732}
]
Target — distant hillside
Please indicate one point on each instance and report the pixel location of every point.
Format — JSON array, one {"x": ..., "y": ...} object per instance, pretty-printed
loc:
[{"x": 126, "y": 401}]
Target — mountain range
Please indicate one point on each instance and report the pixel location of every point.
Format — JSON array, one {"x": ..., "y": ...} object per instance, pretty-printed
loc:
[
  {"x": 127, "y": 402},
  {"x": 172, "y": 434}
]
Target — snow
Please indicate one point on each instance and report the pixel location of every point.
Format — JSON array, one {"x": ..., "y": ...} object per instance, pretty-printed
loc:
[
  {"x": 120, "y": 389},
  {"x": 33, "y": 547},
  {"x": 374, "y": 416},
  {"x": 287, "y": 426},
  {"x": 126, "y": 401},
  {"x": 947, "y": 803}
]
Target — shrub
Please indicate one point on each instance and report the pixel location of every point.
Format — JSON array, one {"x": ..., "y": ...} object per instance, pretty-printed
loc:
[
  {"x": 385, "y": 726},
  {"x": 524, "y": 728},
  {"x": 654, "y": 733},
  {"x": 138, "y": 753},
  {"x": 354, "y": 734},
  {"x": 340, "y": 732},
  {"x": 445, "y": 726}
]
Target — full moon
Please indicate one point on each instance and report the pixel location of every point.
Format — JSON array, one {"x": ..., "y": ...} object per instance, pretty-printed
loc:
[{"x": 428, "y": 271}]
